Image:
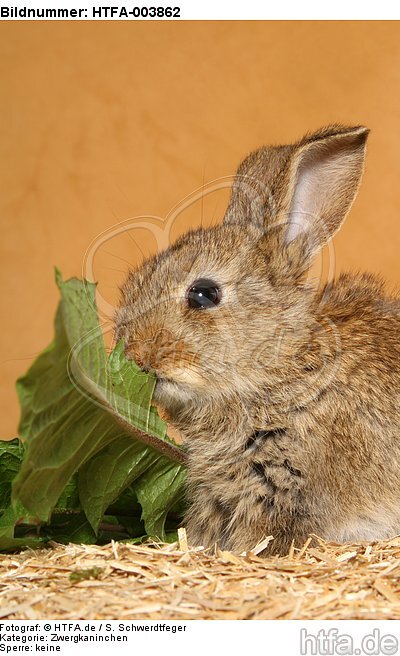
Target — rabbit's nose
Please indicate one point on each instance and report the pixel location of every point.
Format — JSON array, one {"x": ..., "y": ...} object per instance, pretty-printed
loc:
[
  {"x": 140, "y": 352},
  {"x": 148, "y": 353}
]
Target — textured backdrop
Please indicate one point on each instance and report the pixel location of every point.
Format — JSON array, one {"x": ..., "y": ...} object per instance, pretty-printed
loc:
[{"x": 105, "y": 121}]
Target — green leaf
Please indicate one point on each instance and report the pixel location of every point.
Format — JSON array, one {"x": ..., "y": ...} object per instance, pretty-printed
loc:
[
  {"x": 69, "y": 499},
  {"x": 130, "y": 392},
  {"x": 158, "y": 490},
  {"x": 72, "y": 527},
  {"x": 11, "y": 453},
  {"x": 126, "y": 504},
  {"x": 120, "y": 463},
  {"x": 8, "y": 521},
  {"x": 83, "y": 412},
  {"x": 157, "y": 481}
]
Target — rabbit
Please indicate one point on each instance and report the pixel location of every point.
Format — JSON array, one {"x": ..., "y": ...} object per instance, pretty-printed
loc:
[{"x": 287, "y": 396}]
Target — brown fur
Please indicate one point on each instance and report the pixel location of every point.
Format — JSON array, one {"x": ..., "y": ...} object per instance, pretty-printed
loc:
[{"x": 288, "y": 398}]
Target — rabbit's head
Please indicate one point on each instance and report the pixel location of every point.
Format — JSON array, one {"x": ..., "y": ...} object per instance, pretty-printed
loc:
[{"x": 225, "y": 309}]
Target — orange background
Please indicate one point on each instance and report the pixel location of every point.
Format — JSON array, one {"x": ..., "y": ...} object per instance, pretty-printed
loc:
[{"x": 102, "y": 121}]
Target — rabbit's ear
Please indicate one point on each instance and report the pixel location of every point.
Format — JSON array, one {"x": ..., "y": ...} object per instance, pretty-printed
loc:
[
  {"x": 302, "y": 190},
  {"x": 325, "y": 175}
]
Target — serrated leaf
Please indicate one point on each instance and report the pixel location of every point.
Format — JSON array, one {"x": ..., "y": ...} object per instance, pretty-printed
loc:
[
  {"x": 69, "y": 499},
  {"x": 120, "y": 463},
  {"x": 66, "y": 528},
  {"x": 78, "y": 410},
  {"x": 8, "y": 521},
  {"x": 158, "y": 490},
  {"x": 11, "y": 453},
  {"x": 158, "y": 482},
  {"x": 130, "y": 391}
]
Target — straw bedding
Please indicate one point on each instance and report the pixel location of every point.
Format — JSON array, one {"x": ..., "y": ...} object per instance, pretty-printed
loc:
[{"x": 172, "y": 581}]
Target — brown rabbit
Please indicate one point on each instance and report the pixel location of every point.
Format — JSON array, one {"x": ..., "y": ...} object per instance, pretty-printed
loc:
[{"x": 287, "y": 397}]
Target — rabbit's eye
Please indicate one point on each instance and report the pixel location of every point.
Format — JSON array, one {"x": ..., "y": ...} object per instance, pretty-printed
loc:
[{"x": 203, "y": 294}]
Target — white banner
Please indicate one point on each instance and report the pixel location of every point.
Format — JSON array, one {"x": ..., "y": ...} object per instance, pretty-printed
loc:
[
  {"x": 170, "y": 637},
  {"x": 131, "y": 10}
]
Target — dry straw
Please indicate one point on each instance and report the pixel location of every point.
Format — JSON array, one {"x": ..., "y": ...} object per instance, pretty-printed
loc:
[{"x": 174, "y": 581}]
